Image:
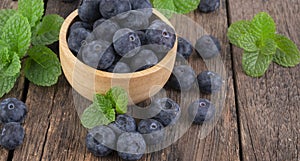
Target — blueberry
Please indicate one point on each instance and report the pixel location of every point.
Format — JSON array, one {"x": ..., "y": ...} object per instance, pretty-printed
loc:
[
  {"x": 142, "y": 5},
  {"x": 88, "y": 11},
  {"x": 161, "y": 36},
  {"x": 76, "y": 39},
  {"x": 110, "y": 8},
  {"x": 143, "y": 58},
  {"x": 141, "y": 34},
  {"x": 80, "y": 24},
  {"x": 184, "y": 47},
  {"x": 182, "y": 78},
  {"x": 144, "y": 67},
  {"x": 126, "y": 42},
  {"x": 131, "y": 146},
  {"x": 101, "y": 140},
  {"x": 98, "y": 22},
  {"x": 12, "y": 135},
  {"x": 96, "y": 54},
  {"x": 203, "y": 110},
  {"x": 209, "y": 82},
  {"x": 208, "y": 5},
  {"x": 12, "y": 110},
  {"x": 152, "y": 130},
  {"x": 135, "y": 20},
  {"x": 105, "y": 31},
  {"x": 169, "y": 111},
  {"x": 119, "y": 67},
  {"x": 208, "y": 47},
  {"x": 123, "y": 123}
]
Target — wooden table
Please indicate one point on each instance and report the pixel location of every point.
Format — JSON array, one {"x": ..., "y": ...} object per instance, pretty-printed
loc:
[{"x": 260, "y": 120}]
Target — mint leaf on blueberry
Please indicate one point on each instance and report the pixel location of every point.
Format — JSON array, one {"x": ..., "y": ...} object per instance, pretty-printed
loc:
[{"x": 119, "y": 98}]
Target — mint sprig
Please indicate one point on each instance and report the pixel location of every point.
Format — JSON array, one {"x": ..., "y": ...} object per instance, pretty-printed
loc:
[
  {"x": 262, "y": 45},
  {"x": 104, "y": 108},
  {"x": 175, "y": 6},
  {"x": 23, "y": 34}
]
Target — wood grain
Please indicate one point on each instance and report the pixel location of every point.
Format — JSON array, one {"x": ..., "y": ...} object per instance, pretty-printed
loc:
[{"x": 269, "y": 106}]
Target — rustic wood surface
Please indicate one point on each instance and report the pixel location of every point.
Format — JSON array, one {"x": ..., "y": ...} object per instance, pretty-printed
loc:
[{"x": 259, "y": 120}]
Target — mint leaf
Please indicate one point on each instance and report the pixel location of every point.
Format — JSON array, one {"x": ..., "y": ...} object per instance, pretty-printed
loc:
[
  {"x": 4, "y": 54},
  {"x": 255, "y": 64},
  {"x": 287, "y": 53},
  {"x": 119, "y": 98},
  {"x": 184, "y": 6},
  {"x": 237, "y": 30},
  {"x": 47, "y": 31},
  {"x": 248, "y": 42},
  {"x": 17, "y": 33},
  {"x": 166, "y": 7},
  {"x": 102, "y": 102},
  {"x": 268, "y": 47},
  {"x": 93, "y": 116},
  {"x": 43, "y": 67},
  {"x": 263, "y": 26},
  {"x": 7, "y": 83},
  {"x": 13, "y": 67},
  {"x": 4, "y": 16},
  {"x": 33, "y": 10}
]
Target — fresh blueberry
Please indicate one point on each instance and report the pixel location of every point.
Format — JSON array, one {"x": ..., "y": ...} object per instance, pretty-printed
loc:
[
  {"x": 169, "y": 111},
  {"x": 134, "y": 20},
  {"x": 182, "y": 78},
  {"x": 161, "y": 36},
  {"x": 184, "y": 47},
  {"x": 142, "y": 5},
  {"x": 143, "y": 58},
  {"x": 12, "y": 110},
  {"x": 80, "y": 24},
  {"x": 208, "y": 47},
  {"x": 76, "y": 39},
  {"x": 126, "y": 42},
  {"x": 152, "y": 131},
  {"x": 131, "y": 146},
  {"x": 123, "y": 123},
  {"x": 110, "y": 8},
  {"x": 119, "y": 67},
  {"x": 97, "y": 54},
  {"x": 101, "y": 140},
  {"x": 98, "y": 22},
  {"x": 12, "y": 135},
  {"x": 203, "y": 110},
  {"x": 209, "y": 82},
  {"x": 88, "y": 11},
  {"x": 207, "y": 6},
  {"x": 105, "y": 31},
  {"x": 144, "y": 67}
]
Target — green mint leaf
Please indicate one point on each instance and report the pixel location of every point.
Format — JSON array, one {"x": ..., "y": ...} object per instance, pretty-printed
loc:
[
  {"x": 103, "y": 102},
  {"x": 268, "y": 47},
  {"x": 17, "y": 33},
  {"x": 237, "y": 30},
  {"x": 4, "y": 54},
  {"x": 42, "y": 67},
  {"x": 287, "y": 53},
  {"x": 4, "y": 16},
  {"x": 248, "y": 42},
  {"x": 13, "y": 67},
  {"x": 47, "y": 31},
  {"x": 255, "y": 64},
  {"x": 93, "y": 116},
  {"x": 119, "y": 98},
  {"x": 33, "y": 10},
  {"x": 166, "y": 7},
  {"x": 184, "y": 6},
  {"x": 7, "y": 83},
  {"x": 263, "y": 26}
]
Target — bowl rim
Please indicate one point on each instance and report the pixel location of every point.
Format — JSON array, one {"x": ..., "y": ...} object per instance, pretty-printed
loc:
[{"x": 161, "y": 64}]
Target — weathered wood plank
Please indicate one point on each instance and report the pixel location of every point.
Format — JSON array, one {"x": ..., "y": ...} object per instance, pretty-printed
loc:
[{"x": 269, "y": 106}]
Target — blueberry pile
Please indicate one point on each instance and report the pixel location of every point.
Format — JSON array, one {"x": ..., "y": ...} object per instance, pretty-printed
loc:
[
  {"x": 12, "y": 115},
  {"x": 120, "y": 36}
]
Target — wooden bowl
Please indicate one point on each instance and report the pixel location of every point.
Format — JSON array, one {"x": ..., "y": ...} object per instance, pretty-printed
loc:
[{"x": 87, "y": 81}]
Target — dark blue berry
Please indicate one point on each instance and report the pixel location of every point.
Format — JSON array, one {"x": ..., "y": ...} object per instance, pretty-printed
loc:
[
  {"x": 88, "y": 11},
  {"x": 76, "y": 39},
  {"x": 126, "y": 42},
  {"x": 105, "y": 31},
  {"x": 208, "y": 5},
  {"x": 12, "y": 135},
  {"x": 123, "y": 123},
  {"x": 80, "y": 24},
  {"x": 209, "y": 82},
  {"x": 184, "y": 47},
  {"x": 207, "y": 47},
  {"x": 134, "y": 19},
  {"x": 169, "y": 111},
  {"x": 98, "y": 22},
  {"x": 119, "y": 67},
  {"x": 101, "y": 140},
  {"x": 131, "y": 146},
  {"x": 107, "y": 58},
  {"x": 12, "y": 110},
  {"x": 142, "y": 5},
  {"x": 111, "y": 8},
  {"x": 201, "y": 110},
  {"x": 152, "y": 131},
  {"x": 182, "y": 78},
  {"x": 142, "y": 36},
  {"x": 143, "y": 58}
]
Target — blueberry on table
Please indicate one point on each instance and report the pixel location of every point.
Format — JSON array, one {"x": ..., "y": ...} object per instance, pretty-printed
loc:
[
  {"x": 88, "y": 11},
  {"x": 208, "y": 47},
  {"x": 207, "y": 6},
  {"x": 203, "y": 110},
  {"x": 184, "y": 47},
  {"x": 105, "y": 31},
  {"x": 169, "y": 111},
  {"x": 131, "y": 146},
  {"x": 12, "y": 135},
  {"x": 209, "y": 82},
  {"x": 12, "y": 110},
  {"x": 101, "y": 140},
  {"x": 143, "y": 58},
  {"x": 123, "y": 123},
  {"x": 110, "y": 8},
  {"x": 76, "y": 38},
  {"x": 182, "y": 78},
  {"x": 153, "y": 131}
]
